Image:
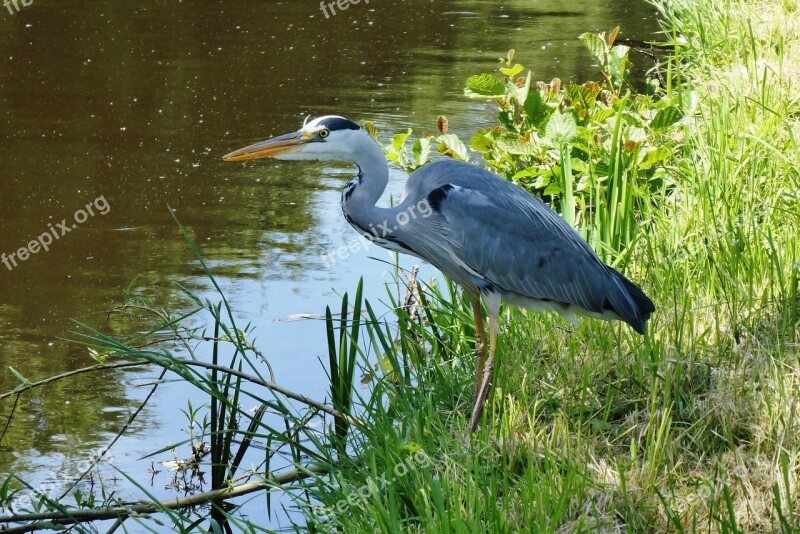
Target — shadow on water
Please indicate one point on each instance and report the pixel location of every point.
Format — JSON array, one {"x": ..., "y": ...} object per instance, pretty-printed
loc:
[{"x": 136, "y": 103}]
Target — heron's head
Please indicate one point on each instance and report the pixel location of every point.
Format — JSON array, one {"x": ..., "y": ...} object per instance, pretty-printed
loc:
[{"x": 326, "y": 138}]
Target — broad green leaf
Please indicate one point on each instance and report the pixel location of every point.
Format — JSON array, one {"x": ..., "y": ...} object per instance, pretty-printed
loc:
[
  {"x": 595, "y": 45},
  {"x": 516, "y": 146},
  {"x": 584, "y": 141},
  {"x": 543, "y": 180},
  {"x": 601, "y": 170},
  {"x": 506, "y": 119},
  {"x": 552, "y": 189},
  {"x": 580, "y": 93},
  {"x": 637, "y": 135},
  {"x": 601, "y": 115},
  {"x": 513, "y": 71},
  {"x": 534, "y": 106},
  {"x": 481, "y": 141},
  {"x": 560, "y": 129},
  {"x": 633, "y": 119},
  {"x": 451, "y": 145},
  {"x": 399, "y": 140},
  {"x": 584, "y": 183},
  {"x": 666, "y": 117},
  {"x": 618, "y": 63},
  {"x": 484, "y": 85},
  {"x": 652, "y": 156},
  {"x": 578, "y": 165},
  {"x": 421, "y": 149},
  {"x": 593, "y": 88},
  {"x": 529, "y": 172}
]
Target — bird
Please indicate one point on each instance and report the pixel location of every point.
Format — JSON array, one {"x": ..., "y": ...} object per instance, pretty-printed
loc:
[{"x": 496, "y": 240}]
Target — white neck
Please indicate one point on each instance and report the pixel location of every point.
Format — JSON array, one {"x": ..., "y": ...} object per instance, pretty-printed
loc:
[{"x": 371, "y": 182}]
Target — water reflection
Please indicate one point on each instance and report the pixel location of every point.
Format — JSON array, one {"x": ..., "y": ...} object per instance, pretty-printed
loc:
[{"x": 138, "y": 102}]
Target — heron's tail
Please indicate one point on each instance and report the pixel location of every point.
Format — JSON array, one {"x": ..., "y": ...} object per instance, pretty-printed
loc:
[{"x": 629, "y": 302}]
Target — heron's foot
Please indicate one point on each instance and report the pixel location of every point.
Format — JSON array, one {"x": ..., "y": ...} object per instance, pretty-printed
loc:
[
  {"x": 480, "y": 345},
  {"x": 482, "y": 392},
  {"x": 480, "y": 355},
  {"x": 483, "y": 369}
]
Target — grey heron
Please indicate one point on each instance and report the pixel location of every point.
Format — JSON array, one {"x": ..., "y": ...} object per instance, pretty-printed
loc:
[{"x": 490, "y": 236}]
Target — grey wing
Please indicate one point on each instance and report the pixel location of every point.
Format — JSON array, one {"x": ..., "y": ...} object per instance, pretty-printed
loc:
[
  {"x": 519, "y": 245},
  {"x": 489, "y": 234}
]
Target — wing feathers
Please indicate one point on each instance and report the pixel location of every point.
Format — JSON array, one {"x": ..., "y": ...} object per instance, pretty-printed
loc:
[{"x": 516, "y": 243}]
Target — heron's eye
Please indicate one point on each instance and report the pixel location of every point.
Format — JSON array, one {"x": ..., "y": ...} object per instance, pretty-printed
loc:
[{"x": 323, "y": 133}]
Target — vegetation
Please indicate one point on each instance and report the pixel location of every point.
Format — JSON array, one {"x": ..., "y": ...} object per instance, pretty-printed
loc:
[{"x": 692, "y": 188}]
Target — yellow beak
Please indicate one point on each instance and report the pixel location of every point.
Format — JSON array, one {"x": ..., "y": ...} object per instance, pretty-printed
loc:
[{"x": 270, "y": 148}]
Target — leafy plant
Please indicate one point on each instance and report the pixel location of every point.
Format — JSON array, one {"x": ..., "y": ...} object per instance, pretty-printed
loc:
[
  {"x": 599, "y": 153},
  {"x": 444, "y": 143}
]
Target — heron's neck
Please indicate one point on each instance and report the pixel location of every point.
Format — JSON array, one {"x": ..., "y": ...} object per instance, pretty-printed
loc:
[{"x": 362, "y": 192}]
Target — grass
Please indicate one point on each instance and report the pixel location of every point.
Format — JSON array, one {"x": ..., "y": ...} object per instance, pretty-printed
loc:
[{"x": 693, "y": 428}]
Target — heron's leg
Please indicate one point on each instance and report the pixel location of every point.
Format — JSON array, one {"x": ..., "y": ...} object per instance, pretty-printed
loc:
[
  {"x": 480, "y": 342},
  {"x": 486, "y": 379}
]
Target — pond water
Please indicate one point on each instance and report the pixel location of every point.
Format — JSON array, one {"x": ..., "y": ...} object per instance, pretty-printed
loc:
[{"x": 115, "y": 111}]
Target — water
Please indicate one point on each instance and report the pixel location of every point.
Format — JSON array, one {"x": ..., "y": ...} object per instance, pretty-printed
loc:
[{"x": 124, "y": 106}]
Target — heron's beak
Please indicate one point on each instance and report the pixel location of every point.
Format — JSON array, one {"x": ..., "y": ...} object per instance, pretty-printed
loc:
[{"x": 285, "y": 144}]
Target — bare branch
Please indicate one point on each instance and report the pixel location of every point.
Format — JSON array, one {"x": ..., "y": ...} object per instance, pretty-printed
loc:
[
  {"x": 51, "y": 519},
  {"x": 99, "y": 367}
]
